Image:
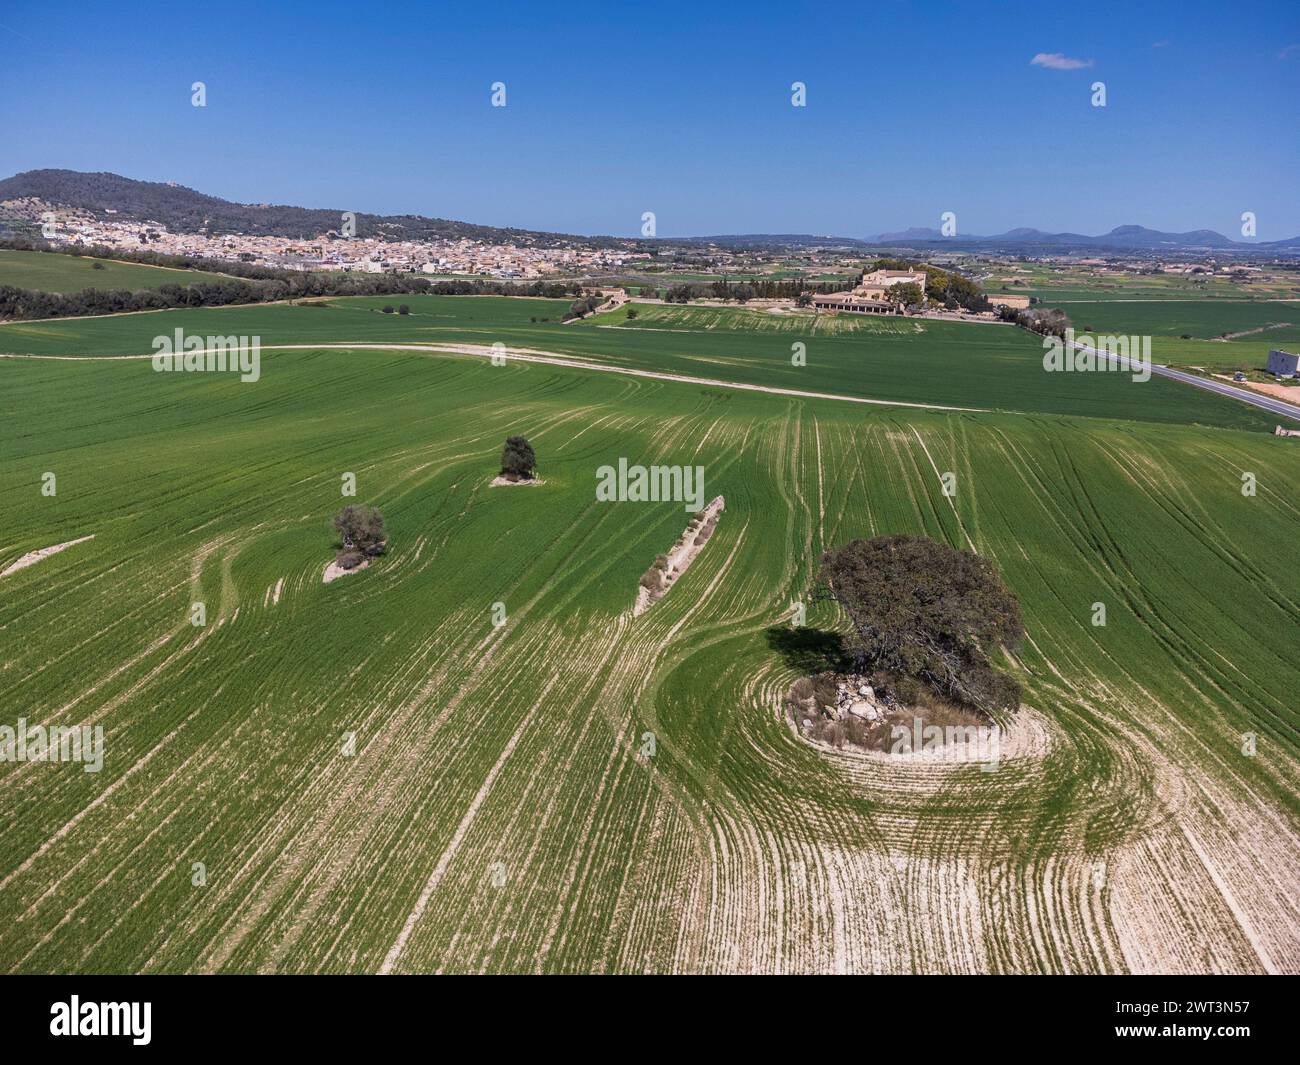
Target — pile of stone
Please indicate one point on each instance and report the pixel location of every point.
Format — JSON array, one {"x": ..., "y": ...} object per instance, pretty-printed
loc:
[{"x": 853, "y": 695}]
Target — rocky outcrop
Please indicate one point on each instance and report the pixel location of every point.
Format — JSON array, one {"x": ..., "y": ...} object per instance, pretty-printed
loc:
[
  {"x": 860, "y": 702},
  {"x": 659, "y": 578},
  {"x": 855, "y": 696}
]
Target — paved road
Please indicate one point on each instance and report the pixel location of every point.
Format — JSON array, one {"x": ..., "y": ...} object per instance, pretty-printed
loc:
[{"x": 1256, "y": 399}]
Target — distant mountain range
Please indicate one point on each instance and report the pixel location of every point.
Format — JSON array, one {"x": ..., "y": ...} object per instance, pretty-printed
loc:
[
  {"x": 183, "y": 210},
  {"x": 1123, "y": 238}
]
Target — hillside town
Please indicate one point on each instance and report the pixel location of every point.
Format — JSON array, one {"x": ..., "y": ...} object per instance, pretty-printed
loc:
[{"x": 332, "y": 250}]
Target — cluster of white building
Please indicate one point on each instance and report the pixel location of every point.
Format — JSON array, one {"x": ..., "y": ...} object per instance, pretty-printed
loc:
[{"x": 332, "y": 251}]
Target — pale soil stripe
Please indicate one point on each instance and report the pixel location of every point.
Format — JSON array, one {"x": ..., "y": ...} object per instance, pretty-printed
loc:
[
  {"x": 32, "y": 557},
  {"x": 960, "y": 524},
  {"x": 395, "y": 951},
  {"x": 97, "y": 801},
  {"x": 550, "y": 359}
]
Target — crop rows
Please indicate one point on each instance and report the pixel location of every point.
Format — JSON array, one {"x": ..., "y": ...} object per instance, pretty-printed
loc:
[{"x": 502, "y": 810}]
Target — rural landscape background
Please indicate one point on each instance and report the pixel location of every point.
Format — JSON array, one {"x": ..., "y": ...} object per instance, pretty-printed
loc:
[{"x": 480, "y": 751}]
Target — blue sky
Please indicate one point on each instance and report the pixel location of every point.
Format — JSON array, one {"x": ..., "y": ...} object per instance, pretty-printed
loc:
[{"x": 913, "y": 109}]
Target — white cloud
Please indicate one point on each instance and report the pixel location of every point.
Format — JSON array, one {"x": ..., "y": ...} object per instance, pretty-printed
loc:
[
  {"x": 1288, "y": 50},
  {"x": 1057, "y": 61}
]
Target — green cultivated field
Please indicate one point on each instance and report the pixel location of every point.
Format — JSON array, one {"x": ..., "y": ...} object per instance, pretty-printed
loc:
[
  {"x": 55, "y": 272},
  {"x": 497, "y": 814},
  {"x": 1200, "y": 319},
  {"x": 951, "y": 363},
  {"x": 1252, "y": 327}
]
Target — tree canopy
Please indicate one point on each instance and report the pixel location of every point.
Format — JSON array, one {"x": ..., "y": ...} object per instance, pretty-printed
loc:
[
  {"x": 927, "y": 610},
  {"x": 361, "y": 528},
  {"x": 909, "y": 294},
  {"x": 518, "y": 457}
]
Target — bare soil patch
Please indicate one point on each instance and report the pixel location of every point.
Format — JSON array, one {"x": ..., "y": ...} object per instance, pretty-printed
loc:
[
  {"x": 33, "y": 557},
  {"x": 334, "y": 571}
]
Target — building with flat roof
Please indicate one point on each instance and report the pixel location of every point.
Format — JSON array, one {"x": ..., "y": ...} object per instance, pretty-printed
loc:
[{"x": 1283, "y": 363}]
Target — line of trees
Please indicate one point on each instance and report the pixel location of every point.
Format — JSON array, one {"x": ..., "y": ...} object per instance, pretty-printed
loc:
[
  {"x": 32, "y": 304},
  {"x": 1042, "y": 320},
  {"x": 743, "y": 291}
]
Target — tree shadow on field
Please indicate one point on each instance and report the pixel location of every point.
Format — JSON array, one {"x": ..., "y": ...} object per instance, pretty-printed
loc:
[{"x": 810, "y": 650}]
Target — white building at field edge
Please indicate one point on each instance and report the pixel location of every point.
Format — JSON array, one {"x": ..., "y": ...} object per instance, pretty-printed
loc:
[{"x": 1283, "y": 363}]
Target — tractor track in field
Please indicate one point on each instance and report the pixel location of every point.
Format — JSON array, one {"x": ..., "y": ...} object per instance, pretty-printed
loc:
[
  {"x": 1120, "y": 833},
  {"x": 547, "y": 358}
]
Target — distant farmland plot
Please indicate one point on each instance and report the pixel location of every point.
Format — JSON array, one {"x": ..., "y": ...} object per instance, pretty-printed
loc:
[
  {"x": 1261, "y": 324},
  {"x": 951, "y": 363},
  {"x": 1201, "y": 319},
  {"x": 751, "y": 320},
  {"x": 1052, "y": 285},
  {"x": 498, "y": 813},
  {"x": 56, "y": 272},
  {"x": 359, "y": 318}
]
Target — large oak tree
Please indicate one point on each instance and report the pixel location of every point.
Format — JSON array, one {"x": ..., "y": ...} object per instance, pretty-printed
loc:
[{"x": 926, "y": 610}]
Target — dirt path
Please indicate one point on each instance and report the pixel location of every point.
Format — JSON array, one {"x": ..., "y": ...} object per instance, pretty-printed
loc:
[
  {"x": 1288, "y": 392},
  {"x": 1250, "y": 332},
  {"x": 33, "y": 557},
  {"x": 552, "y": 359}
]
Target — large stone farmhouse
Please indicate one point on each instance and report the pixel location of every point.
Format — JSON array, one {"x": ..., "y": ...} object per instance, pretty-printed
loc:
[{"x": 869, "y": 296}]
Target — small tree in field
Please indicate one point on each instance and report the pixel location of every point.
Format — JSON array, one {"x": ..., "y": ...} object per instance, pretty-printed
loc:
[
  {"x": 361, "y": 529},
  {"x": 518, "y": 458},
  {"x": 927, "y": 610}
]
